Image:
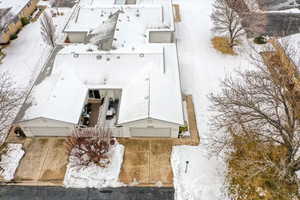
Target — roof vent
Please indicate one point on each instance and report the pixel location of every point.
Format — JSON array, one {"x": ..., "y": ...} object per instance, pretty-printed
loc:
[
  {"x": 107, "y": 59},
  {"x": 75, "y": 55},
  {"x": 118, "y": 57},
  {"x": 99, "y": 57},
  {"x": 141, "y": 55}
]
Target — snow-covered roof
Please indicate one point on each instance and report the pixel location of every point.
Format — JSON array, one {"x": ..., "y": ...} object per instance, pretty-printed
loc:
[
  {"x": 148, "y": 77},
  {"x": 133, "y": 23},
  {"x": 15, "y": 5}
]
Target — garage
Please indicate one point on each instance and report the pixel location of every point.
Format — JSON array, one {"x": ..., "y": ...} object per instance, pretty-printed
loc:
[
  {"x": 150, "y": 132},
  {"x": 46, "y": 131}
]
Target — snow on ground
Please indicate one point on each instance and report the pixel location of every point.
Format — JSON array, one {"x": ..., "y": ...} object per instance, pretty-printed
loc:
[
  {"x": 93, "y": 175},
  {"x": 10, "y": 161},
  {"x": 202, "y": 69},
  {"x": 26, "y": 55},
  {"x": 201, "y": 179}
]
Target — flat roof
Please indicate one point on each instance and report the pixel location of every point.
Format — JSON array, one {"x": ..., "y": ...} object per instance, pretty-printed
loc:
[
  {"x": 133, "y": 23},
  {"x": 148, "y": 77}
]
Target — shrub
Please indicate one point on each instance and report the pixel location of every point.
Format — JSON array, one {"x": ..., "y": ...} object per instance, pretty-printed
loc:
[
  {"x": 260, "y": 40},
  {"x": 90, "y": 145},
  {"x": 222, "y": 45},
  {"x": 25, "y": 21},
  {"x": 13, "y": 36},
  {"x": 183, "y": 129}
]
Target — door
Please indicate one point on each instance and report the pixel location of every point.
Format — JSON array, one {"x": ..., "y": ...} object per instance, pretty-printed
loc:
[
  {"x": 150, "y": 132},
  {"x": 47, "y": 131}
]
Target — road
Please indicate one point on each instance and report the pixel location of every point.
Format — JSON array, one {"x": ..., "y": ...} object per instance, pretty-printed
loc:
[{"x": 61, "y": 193}]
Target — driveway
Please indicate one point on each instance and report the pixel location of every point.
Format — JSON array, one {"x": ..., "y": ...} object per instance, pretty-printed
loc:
[
  {"x": 147, "y": 162},
  {"x": 44, "y": 162},
  {"x": 61, "y": 193}
]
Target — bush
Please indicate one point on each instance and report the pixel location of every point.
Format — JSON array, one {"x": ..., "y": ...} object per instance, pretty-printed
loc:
[
  {"x": 222, "y": 45},
  {"x": 260, "y": 40},
  {"x": 90, "y": 145},
  {"x": 183, "y": 129},
  {"x": 25, "y": 21},
  {"x": 13, "y": 36}
]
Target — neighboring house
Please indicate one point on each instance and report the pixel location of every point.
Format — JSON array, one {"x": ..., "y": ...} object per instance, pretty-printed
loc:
[
  {"x": 140, "y": 23},
  {"x": 135, "y": 92},
  {"x": 277, "y": 4},
  {"x": 261, "y": 17},
  {"x": 11, "y": 12}
]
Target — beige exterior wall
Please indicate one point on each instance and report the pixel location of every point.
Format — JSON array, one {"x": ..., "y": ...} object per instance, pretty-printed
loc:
[
  {"x": 157, "y": 36},
  {"x": 14, "y": 27},
  {"x": 76, "y": 37},
  {"x": 46, "y": 127},
  {"x": 150, "y": 123}
]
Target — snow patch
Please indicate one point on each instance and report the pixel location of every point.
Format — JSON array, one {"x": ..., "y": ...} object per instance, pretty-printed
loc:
[
  {"x": 10, "y": 160},
  {"x": 201, "y": 178},
  {"x": 94, "y": 176}
]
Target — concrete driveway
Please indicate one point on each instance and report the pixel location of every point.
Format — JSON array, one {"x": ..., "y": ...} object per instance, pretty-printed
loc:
[
  {"x": 44, "y": 162},
  {"x": 147, "y": 161},
  {"x": 61, "y": 193}
]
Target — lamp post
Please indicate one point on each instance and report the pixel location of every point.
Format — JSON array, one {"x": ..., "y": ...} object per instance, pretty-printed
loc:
[{"x": 186, "y": 166}]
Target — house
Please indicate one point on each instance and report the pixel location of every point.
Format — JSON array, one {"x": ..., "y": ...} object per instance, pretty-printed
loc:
[
  {"x": 11, "y": 13},
  {"x": 134, "y": 92},
  {"x": 131, "y": 86},
  {"x": 268, "y": 17},
  {"x": 142, "y": 23}
]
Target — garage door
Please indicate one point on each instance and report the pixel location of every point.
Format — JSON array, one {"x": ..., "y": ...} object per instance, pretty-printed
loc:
[
  {"x": 47, "y": 131},
  {"x": 150, "y": 132}
]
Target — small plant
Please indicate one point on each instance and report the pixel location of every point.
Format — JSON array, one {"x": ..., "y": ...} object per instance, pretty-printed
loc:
[
  {"x": 222, "y": 44},
  {"x": 90, "y": 145},
  {"x": 25, "y": 21},
  {"x": 13, "y": 36},
  {"x": 260, "y": 40},
  {"x": 183, "y": 129}
]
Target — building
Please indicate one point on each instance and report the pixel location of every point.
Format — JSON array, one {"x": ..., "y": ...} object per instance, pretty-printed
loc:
[
  {"x": 128, "y": 82},
  {"x": 11, "y": 13},
  {"x": 139, "y": 23},
  {"x": 134, "y": 92}
]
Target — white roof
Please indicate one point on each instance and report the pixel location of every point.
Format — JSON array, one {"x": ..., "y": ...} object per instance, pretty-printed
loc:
[
  {"x": 148, "y": 77},
  {"x": 15, "y": 5},
  {"x": 166, "y": 5},
  {"x": 86, "y": 18},
  {"x": 133, "y": 24}
]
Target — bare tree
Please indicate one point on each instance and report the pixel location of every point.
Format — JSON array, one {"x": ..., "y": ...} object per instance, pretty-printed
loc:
[
  {"x": 90, "y": 145},
  {"x": 10, "y": 100},
  {"x": 254, "y": 102},
  {"x": 226, "y": 20},
  {"x": 48, "y": 29}
]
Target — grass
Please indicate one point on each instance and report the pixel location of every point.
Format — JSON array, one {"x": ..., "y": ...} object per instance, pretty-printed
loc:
[
  {"x": 244, "y": 184},
  {"x": 222, "y": 45}
]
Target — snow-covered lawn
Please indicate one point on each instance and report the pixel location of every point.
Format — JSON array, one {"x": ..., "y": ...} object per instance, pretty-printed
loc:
[
  {"x": 10, "y": 161},
  {"x": 26, "y": 55},
  {"x": 201, "y": 178},
  {"x": 202, "y": 69},
  {"x": 93, "y": 175}
]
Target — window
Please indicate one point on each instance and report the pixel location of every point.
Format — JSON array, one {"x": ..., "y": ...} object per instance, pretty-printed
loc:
[{"x": 94, "y": 94}]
